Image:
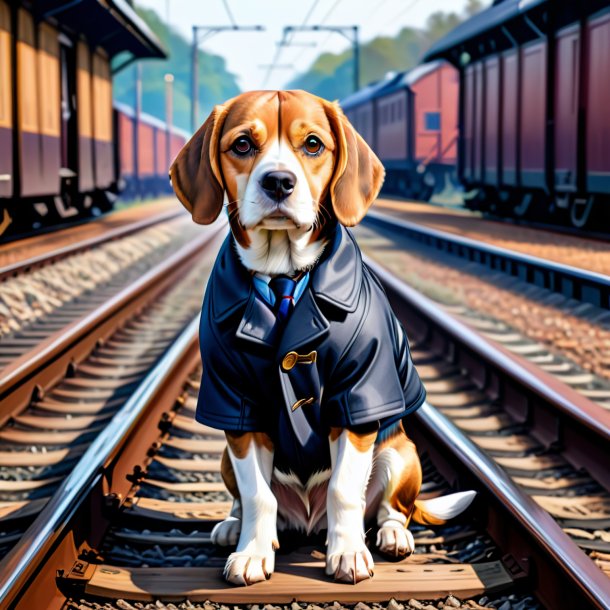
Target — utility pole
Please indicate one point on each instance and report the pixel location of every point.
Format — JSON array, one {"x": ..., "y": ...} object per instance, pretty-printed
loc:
[
  {"x": 208, "y": 32},
  {"x": 136, "y": 125},
  {"x": 169, "y": 116},
  {"x": 350, "y": 32}
]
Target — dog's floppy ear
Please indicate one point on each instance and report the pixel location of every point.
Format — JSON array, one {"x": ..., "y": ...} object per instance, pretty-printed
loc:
[
  {"x": 195, "y": 174},
  {"x": 358, "y": 174}
]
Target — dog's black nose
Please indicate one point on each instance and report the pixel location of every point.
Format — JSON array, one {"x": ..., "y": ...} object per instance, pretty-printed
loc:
[{"x": 278, "y": 185}]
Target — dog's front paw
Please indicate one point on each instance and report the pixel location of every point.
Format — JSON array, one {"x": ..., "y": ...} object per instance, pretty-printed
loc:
[
  {"x": 351, "y": 567},
  {"x": 245, "y": 569},
  {"x": 226, "y": 533},
  {"x": 395, "y": 540}
]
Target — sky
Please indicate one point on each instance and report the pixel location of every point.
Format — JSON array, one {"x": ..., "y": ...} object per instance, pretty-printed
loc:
[{"x": 248, "y": 54}]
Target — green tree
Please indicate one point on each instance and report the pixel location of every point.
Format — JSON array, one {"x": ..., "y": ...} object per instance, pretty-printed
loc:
[
  {"x": 216, "y": 83},
  {"x": 331, "y": 75}
]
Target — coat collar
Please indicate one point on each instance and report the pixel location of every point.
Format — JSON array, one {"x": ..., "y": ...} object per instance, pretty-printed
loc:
[{"x": 336, "y": 279}]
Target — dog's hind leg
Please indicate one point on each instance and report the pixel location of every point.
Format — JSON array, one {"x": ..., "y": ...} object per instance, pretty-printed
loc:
[
  {"x": 394, "y": 486},
  {"x": 251, "y": 458},
  {"x": 226, "y": 533},
  {"x": 347, "y": 557}
]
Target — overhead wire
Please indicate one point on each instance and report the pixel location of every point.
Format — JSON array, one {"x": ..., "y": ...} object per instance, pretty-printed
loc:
[
  {"x": 229, "y": 13},
  {"x": 322, "y": 21},
  {"x": 280, "y": 46}
]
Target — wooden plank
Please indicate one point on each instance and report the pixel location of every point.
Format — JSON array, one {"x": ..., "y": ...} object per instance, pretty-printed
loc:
[
  {"x": 190, "y": 487},
  {"x": 301, "y": 582},
  {"x": 195, "y": 446},
  {"x": 514, "y": 442},
  {"x": 532, "y": 463},
  {"x": 576, "y": 508},
  {"x": 484, "y": 424},
  {"x": 459, "y": 399},
  {"x": 49, "y": 422},
  {"x": 34, "y": 437},
  {"x": 26, "y": 485},
  {"x": 179, "y": 512},
  {"x": 189, "y": 424},
  {"x": 46, "y": 458},
  {"x": 19, "y": 510},
  {"x": 188, "y": 465},
  {"x": 550, "y": 483}
]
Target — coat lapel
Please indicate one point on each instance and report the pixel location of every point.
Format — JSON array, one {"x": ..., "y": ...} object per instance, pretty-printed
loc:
[
  {"x": 258, "y": 322},
  {"x": 305, "y": 325}
]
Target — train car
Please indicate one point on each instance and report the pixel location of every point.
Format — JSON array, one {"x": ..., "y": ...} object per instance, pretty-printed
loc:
[
  {"x": 410, "y": 121},
  {"x": 146, "y": 148},
  {"x": 57, "y": 148},
  {"x": 534, "y": 121},
  {"x": 359, "y": 108}
]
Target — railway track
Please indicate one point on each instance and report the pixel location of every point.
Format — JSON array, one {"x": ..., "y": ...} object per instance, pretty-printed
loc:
[
  {"x": 19, "y": 256},
  {"x": 570, "y": 282},
  {"x": 41, "y": 297},
  {"x": 130, "y": 524},
  {"x": 71, "y": 380}
]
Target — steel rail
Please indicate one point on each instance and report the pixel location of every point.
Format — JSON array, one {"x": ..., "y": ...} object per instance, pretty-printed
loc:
[
  {"x": 24, "y": 559},
  {"x": 40, "y": 260},
  {"x": 571, "y": 282}
]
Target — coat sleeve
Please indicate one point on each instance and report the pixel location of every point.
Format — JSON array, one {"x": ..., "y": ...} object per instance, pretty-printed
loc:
[{"x": 374, "y": 379}]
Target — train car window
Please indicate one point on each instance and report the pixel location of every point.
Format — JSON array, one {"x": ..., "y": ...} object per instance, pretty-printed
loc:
[
  {"x": 27, "y": 71},
  {"x": 83, "y": 91},
  {"x": 5, "y": 65},
  {"x": 432, "y": 121},
  {"x": 50, "y": 98},
  {"x": 102, "y": 98}
]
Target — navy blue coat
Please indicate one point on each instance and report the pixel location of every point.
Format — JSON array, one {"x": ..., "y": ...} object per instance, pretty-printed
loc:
[{"x": 342, "y": 360}]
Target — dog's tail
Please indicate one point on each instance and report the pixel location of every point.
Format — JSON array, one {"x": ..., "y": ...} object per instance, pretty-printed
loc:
[{"x": 439, "y": 510}]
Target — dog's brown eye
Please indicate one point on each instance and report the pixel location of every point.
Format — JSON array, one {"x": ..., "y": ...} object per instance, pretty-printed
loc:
[
  {"x": 242, "y": 146},
  {"x": 313, "y": 145}
]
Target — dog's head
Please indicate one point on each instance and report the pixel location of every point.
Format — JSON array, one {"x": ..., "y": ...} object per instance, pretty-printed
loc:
[{"x": 286, "y": 164}]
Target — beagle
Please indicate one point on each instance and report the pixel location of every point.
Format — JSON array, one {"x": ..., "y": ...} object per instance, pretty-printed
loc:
[{"x": 311, "y": 382}]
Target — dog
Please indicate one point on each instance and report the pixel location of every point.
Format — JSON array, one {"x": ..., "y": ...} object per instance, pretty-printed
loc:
[{"x": 310, "y": 382}]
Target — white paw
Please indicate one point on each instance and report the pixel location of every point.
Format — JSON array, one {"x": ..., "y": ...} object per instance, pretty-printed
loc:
[
  {"x": 351, "y": 567},
  {"x": 395, "y": 540},
  {"x": 226, "y": 533},
  {"x": 245, "y": 569}
]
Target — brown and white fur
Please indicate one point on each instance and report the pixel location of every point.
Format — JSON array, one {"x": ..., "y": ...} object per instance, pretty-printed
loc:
[{"x": 368, "y": 480}]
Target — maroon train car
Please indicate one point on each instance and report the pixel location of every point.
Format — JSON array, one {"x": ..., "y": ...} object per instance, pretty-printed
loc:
[
  {"x": 534, "y": 120},
  {"x": 57, "y": 158},
  {"x": 143, "y": 153},
  {"x": 410, "y": 121}
]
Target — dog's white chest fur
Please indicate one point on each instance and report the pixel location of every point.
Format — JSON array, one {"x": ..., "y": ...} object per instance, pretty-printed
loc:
[{"x": 301, "y": 507}]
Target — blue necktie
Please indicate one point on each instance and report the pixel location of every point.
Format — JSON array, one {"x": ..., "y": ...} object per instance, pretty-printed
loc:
[{"x": 283, "y": 289}]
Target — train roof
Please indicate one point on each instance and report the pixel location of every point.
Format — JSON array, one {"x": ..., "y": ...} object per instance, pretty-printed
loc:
[
  {"x": 408, "y": 78},
  {"x": 365, "y": 94},
  {"x": 110, "y": 24},
  {"x": 393, "y": 82},
  {"x": 149, "y": 119},
  {"x": 495, "y": 16}
]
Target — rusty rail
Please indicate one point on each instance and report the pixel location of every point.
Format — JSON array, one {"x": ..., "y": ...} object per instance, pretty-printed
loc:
[
  {"x": 36, "y": 371},
  {"x": 35, "y": 262}
]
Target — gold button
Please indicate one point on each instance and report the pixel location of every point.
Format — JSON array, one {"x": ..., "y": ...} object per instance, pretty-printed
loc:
[
  {"x": 291, "y": 358},
  {"x": 303, "y": 401}
]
